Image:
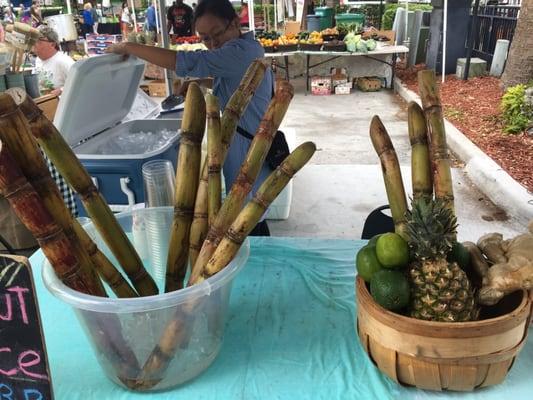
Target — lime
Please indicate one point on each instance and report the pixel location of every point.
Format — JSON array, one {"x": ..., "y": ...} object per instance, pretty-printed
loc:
[
  {"x": 392, "y": 251},
  {"x": 460, "y": 255},
  {"x": 373, "y": 240},
  {"x": 367, "y": 262},
  {"x": 390, "y": 289}
]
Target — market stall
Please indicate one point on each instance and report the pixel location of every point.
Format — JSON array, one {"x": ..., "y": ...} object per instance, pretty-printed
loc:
[
  {"x": 385, "y": 55},
  {"x": 292, "y": 335}
]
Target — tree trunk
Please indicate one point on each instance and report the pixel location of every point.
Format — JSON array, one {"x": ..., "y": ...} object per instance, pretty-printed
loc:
[{"x": 519, "y": 68}]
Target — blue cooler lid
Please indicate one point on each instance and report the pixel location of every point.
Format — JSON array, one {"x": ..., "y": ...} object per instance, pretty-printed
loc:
[{"x": 98, "y": 94}]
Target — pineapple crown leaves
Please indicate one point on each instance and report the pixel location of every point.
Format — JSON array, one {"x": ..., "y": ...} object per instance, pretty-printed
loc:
[{"x": 431, "y": 228}]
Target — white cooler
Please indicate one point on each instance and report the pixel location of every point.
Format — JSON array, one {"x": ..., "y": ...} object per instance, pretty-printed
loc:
[{"x": 97, "y": 98}]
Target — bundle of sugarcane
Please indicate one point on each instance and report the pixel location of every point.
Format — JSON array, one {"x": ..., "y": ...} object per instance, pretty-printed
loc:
[
  {"x": 69, "y": 166},
  {"x": 35, "y": 198},
  {"x": 230, "y": 118},
  {"x": 176, "y": 332},
  {"x": 21, "y": 37},
  {"x": 247, "y": 175},
  {"x": 440, "y": 289},
  {"x": 16, "y": 134}
]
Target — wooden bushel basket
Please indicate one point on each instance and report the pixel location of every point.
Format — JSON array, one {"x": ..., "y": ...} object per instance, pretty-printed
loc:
[{"x": 459, "y": 356}]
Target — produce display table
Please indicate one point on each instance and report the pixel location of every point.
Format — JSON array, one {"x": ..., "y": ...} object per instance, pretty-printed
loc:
[
  {"x": 382, "y": 55},
  {"x": 290, "y": 335}
]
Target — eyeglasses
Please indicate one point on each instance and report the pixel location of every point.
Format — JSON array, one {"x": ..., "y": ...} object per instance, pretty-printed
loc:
[{"x": 215, "y": 36}]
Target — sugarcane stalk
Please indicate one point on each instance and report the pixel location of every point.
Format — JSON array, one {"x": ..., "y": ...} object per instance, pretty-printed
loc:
[
  {"x": 420, "y": 163},
  {"x": 247, "y": 175},
  {"x": 199, "y": 225},
  {"x": 187, "y": 177},
  {"x": 29, "y": 207},
  {"x": 68, "y": 165},
  {"x": 440, "y": 157},
  {"x": 230, "y": 118},
  {"x": 392, "y": 175},
  {"x": 214, "y": 149},
  {"x": 251, "y": 214},
  {"x": 17, "y": 137}
]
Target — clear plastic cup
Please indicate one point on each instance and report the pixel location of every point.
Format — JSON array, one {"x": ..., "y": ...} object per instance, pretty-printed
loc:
[
  {"x": 158, "y": 179},
  {"x": 124, "y": 332}
]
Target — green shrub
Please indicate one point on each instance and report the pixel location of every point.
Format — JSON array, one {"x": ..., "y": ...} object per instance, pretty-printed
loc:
[
  {"x": 517, "y": 114},
  {"x": 390, "y": 12}
]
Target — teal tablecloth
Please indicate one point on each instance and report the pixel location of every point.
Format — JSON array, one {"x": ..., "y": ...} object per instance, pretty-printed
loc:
[{"x": 290, "y": 335}]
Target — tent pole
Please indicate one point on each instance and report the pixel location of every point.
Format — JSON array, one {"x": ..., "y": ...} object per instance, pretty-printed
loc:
[
  {"x": 161, "y": 10},
  {"x": 444, "y": 34}
]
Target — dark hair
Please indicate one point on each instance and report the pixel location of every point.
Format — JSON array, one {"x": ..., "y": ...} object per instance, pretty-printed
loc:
[{"x": 218, "y": 8}]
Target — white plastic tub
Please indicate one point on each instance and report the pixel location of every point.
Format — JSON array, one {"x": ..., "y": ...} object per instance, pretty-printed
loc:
[{"x": 124, "y": 332}]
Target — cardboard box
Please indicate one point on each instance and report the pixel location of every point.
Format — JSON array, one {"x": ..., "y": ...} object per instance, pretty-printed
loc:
[
  {"x": 48, "y": 104},
  {"x": 152, "y": 71},
  {"x": 338, "y": 76},
  {"x": 157, "y": 88},
  {"x": 321, "y": 85},
  {"x": 369, "y": 84},
  {"x": 292, "y": 27},
  {"x": 344, "y": 88}
]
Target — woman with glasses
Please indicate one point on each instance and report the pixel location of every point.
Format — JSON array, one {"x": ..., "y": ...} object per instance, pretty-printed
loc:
[{"x": 229, "y": 54}]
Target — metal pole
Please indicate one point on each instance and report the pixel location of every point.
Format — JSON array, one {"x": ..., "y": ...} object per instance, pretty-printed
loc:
[
  {"x": 380, "y": 13},
  {"x": 69, "y": 7},
  {"x": 470, "y": 45},
  {"x": 165, "y": 42},
  {"x": 275, "y": 15},
  {"x": 251, "y": 17},
  {"x": 444, "y": 34},
  {"x": 133, "y": 15}
]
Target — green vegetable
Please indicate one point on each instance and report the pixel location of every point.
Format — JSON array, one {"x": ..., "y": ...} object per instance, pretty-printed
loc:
[
  {"x": 361, "y": 47},
  {"x": 371, "y": 44}
]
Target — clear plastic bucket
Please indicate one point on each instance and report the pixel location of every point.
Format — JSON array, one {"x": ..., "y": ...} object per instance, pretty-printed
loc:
[{"x": 125, "y": 332}]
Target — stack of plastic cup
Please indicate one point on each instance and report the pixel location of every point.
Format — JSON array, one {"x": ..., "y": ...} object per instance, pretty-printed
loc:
[{"x": 158, "y": 177}]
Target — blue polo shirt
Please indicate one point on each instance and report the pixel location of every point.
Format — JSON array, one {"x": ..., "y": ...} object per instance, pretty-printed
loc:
[{"x": 227, "y": 65}]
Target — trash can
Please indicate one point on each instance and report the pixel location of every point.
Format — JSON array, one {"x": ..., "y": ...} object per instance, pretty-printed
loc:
[
  {"x": 326, "y": 17},
  {"x": 313, "y": 23},
  {"x": 357, "y": 19}
]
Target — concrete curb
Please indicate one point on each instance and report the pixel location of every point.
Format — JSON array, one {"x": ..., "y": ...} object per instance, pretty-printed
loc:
[{"x": 488, "y": 176}]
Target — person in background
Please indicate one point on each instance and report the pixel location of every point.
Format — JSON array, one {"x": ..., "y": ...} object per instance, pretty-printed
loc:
[
  {"x": 243, "y": 16},
  {"x": 99, "y": 16},
  {"x": 229, "y": 55},
  {"x": 53, "y": 67},
  {"x": 35, "y": 12},
  {"x": 88, "y": 21},
  {"x": 2, "y": 34},
  {"x": 151, "y": 24},
  {"x": 125, "y": 20},
  {"x": 9, "y": 17},
  {"x": 25, "y": 15},
  {"x": 51, "y": 64},
  {"x": 179, "y": 18}
]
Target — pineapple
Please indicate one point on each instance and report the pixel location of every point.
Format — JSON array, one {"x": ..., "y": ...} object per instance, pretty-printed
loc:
[{"x": 440, "y": 289}]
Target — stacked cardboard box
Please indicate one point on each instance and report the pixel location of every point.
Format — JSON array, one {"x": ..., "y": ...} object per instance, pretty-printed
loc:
[{"x": 96, "y": 44}]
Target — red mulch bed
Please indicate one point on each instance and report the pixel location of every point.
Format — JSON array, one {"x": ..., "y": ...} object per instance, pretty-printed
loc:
[{"x": 473, "y": 106}]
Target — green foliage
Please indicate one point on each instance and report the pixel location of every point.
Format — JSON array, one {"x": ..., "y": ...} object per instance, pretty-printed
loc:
[
  {"x": 390, "y": 12},
  {"x": 517, "y": 114}
]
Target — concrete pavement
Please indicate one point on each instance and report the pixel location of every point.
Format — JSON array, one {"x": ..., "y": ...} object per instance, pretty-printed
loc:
[{"x": 342, "y": 184}]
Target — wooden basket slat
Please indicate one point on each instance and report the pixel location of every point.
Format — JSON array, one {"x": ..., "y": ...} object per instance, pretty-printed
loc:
[
  {"x": 426, "y": 375},
  {"x": 384, "y": 358},
  {"x": 482, "y": 371},
  {"x": 497, "y": 372},
  {"x": 404, "y": 369},
  {"x": 462, "y": 378}
]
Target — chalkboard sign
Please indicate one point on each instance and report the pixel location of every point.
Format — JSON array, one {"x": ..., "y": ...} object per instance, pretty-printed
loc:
[{"x": 24, "y": 372}]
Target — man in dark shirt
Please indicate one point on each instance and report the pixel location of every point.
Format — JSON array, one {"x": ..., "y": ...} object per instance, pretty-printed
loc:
[{"x": 179, "y": 18}]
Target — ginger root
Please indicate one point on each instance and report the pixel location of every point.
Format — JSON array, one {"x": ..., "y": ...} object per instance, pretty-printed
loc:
[{"x": 513, "y": 271}]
